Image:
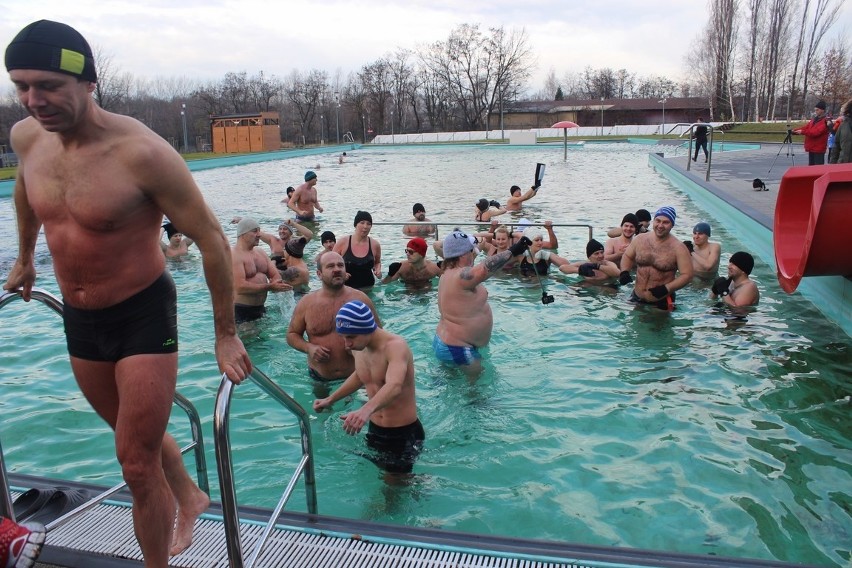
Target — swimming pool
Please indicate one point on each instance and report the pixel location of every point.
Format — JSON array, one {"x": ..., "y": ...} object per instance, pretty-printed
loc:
[{"x": 593, "y": 422}]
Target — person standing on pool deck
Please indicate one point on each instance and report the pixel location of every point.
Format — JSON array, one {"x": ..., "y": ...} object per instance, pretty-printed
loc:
[
  {"x": 384, "y": 366},
  {"x": 700, "y": 136},
  {"x": 304, "y": 200},
  {"x": 466, "y": 320},
  {"x": 328, "y": 359},
  {"x": 97, "y": 180},
  {"x": 816, "y": 135},
  {"x": 663, "y": 263}
]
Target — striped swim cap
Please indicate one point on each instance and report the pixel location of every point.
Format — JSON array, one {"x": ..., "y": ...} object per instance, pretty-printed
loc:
[
  {"x": 355, "y": 318},
  {"x": 666, "y": 211}
]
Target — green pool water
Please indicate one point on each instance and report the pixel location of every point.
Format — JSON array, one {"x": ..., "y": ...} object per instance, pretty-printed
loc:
[{"x": 593, "y": 422}]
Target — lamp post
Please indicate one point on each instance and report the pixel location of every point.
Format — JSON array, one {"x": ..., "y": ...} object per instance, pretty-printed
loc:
[
  {"x": 322, "y": 141},
  {"x": 602, "y": 110},
  {"x": 502, "y": 131},
  {"x": 663, "y": 130},
  {"x": 337, "y": 119},
  {"x": 392, "y": 134},
  {"x": 364, "y": 126},
  {"x": 183, "y": 120}
]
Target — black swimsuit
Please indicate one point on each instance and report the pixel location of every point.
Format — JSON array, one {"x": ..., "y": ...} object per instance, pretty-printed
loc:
[{"x": 360, "y": 269}]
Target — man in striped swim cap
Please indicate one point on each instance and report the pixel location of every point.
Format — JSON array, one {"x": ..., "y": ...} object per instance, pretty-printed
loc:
[
  {"x": 663, "y": 264},
  {"x": 96, "y": 181},
  {"x": 384, "y": 366}
]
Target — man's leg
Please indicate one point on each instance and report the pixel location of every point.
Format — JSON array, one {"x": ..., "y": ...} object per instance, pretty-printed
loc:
[
  {"x": 191, "y": 501},
  {"x": 146, "y": 384}
]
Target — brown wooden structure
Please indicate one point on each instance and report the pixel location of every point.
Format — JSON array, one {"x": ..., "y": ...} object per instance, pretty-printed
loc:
[{"x": 250, "y": 132}]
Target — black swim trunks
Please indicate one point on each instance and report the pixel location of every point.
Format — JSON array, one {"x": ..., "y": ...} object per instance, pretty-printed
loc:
[
  {"x": 317, "y": 377},
  {"x": 667, "y": 303},
  {"x": 244, "y": 313},
  {"x": 144, "y": 323},
  {"x": 396, "y": 449}
]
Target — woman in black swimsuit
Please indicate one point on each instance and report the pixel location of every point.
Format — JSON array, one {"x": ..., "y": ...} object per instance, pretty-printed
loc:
[
  {"x": 362, "y": 255},
  {"x": 537, "y": 260}
]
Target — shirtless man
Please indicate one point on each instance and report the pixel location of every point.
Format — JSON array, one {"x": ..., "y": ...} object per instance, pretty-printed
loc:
[
  {"x": 96, "y": 181},
  {"x": 328, "y": 359},
  {"x": 737, "y": 289},
  {"x": 419, "y": 230},
  {"x": 178, "y": 244},
  {"x": 304, "y": 200},
  {"x": 285, "y": 233},
  {"x": 705, "y": 255},
  {"x": 327, "y": 240},
  {"x": 516, "y": 198},
  {"x": 596, "y": 270},
  {"x": 485, "y": 210},
  {"x": 466, "y": 319},
  {"x": 255, "y": 275},
  {"x": 614, "y": 248},
  {"x": 384, "y": 366},
  {"x": 416, "y": 269},
  {"x": 663, "y": 263}
]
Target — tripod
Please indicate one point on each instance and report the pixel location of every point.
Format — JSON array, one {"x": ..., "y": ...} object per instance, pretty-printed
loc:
[{"x": 788, "y": 143}]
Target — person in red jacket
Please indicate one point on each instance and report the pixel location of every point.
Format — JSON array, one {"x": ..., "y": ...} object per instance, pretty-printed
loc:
[{"x": 816, "y": 136}]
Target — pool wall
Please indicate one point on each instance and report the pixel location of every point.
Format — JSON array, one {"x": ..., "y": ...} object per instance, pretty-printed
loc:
[{"x": 831, "y": 295}]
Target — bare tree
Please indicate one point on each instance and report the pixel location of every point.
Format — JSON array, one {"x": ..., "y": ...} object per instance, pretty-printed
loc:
[
  {"x": 112, "y": 91},
  {"x": 722, "y": 39},
  {"x": 825, "y": 15}
]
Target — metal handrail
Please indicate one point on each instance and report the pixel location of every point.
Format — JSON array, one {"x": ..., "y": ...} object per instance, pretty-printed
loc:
[
  {"x": 588, "y": 228},
  {"x": 692, "y": 126},
  {"x": 224, "y": 462},
  {"x": 197, "y": 444}
]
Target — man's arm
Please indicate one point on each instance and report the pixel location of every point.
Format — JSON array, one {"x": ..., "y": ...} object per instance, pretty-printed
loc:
[
  {"x": 23, "y": 273},
  {"x": 684, "y": 268},
  {"x": 552, "y": 242},
  {"x": 167, "y": 181},
  {"x": 711, "y": 261},
  {"x": 349, "y": 386},
  {"x": 294, "y": 201},
  {"x": 471, "y": 276},
  {"x": 301, "y": 229},
  {"x": 746, "y": 296}
]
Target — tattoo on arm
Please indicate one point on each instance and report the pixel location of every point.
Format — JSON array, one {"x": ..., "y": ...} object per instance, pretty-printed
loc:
[
  {"x": 290, "y": 274},
  {"x": 466, "y": 273},
  {"x": 495, "y": 262}
]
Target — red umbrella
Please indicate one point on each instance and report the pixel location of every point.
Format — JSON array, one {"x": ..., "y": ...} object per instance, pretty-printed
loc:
[{"x": 565, "y": 125}]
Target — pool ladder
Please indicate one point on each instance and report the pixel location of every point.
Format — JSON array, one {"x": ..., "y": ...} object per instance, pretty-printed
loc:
[{"x": 230, "y": 513}]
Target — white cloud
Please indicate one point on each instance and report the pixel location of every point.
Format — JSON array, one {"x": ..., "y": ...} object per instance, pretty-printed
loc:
[{"x": 205, "y": 39}]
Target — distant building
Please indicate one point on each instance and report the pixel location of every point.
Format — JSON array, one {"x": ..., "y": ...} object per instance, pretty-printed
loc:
[
  {"x": 524, "y": 115},
  {"x": 250, "y": 132}
]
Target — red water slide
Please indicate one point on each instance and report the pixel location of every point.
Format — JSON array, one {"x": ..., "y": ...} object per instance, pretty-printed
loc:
[{"x": 813, "y": 220}]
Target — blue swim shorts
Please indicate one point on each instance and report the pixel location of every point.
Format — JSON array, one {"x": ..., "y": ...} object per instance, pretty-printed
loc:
[{"x": 460, "y": 355}]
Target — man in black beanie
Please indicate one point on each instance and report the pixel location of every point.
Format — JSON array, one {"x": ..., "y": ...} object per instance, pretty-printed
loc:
[
  {"x": 737, "y": 289},
  {"x": 596, "y": 270},
  {"x": 96, "y": 180}
]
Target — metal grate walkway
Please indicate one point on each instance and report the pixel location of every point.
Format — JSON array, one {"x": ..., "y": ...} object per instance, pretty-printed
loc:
[{"x": 108, "y": 530}]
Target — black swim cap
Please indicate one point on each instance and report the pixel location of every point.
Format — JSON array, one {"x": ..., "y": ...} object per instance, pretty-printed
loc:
[
  {"x": 363, "y": 216},
  {"x": 743, "y": 260},
  {"x": 52, "y": 46},
  {"x": 592, "y": 247}
]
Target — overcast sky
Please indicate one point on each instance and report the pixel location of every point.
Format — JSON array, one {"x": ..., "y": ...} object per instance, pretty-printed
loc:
[{"x": 204, "y": 39}]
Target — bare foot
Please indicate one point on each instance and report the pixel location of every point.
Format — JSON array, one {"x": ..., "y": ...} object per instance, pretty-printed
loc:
[{"x": 186, "y": 516}]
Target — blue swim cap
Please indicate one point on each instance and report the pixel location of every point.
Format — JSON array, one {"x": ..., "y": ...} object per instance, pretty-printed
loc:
[{"x": 702, "y": 227}]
